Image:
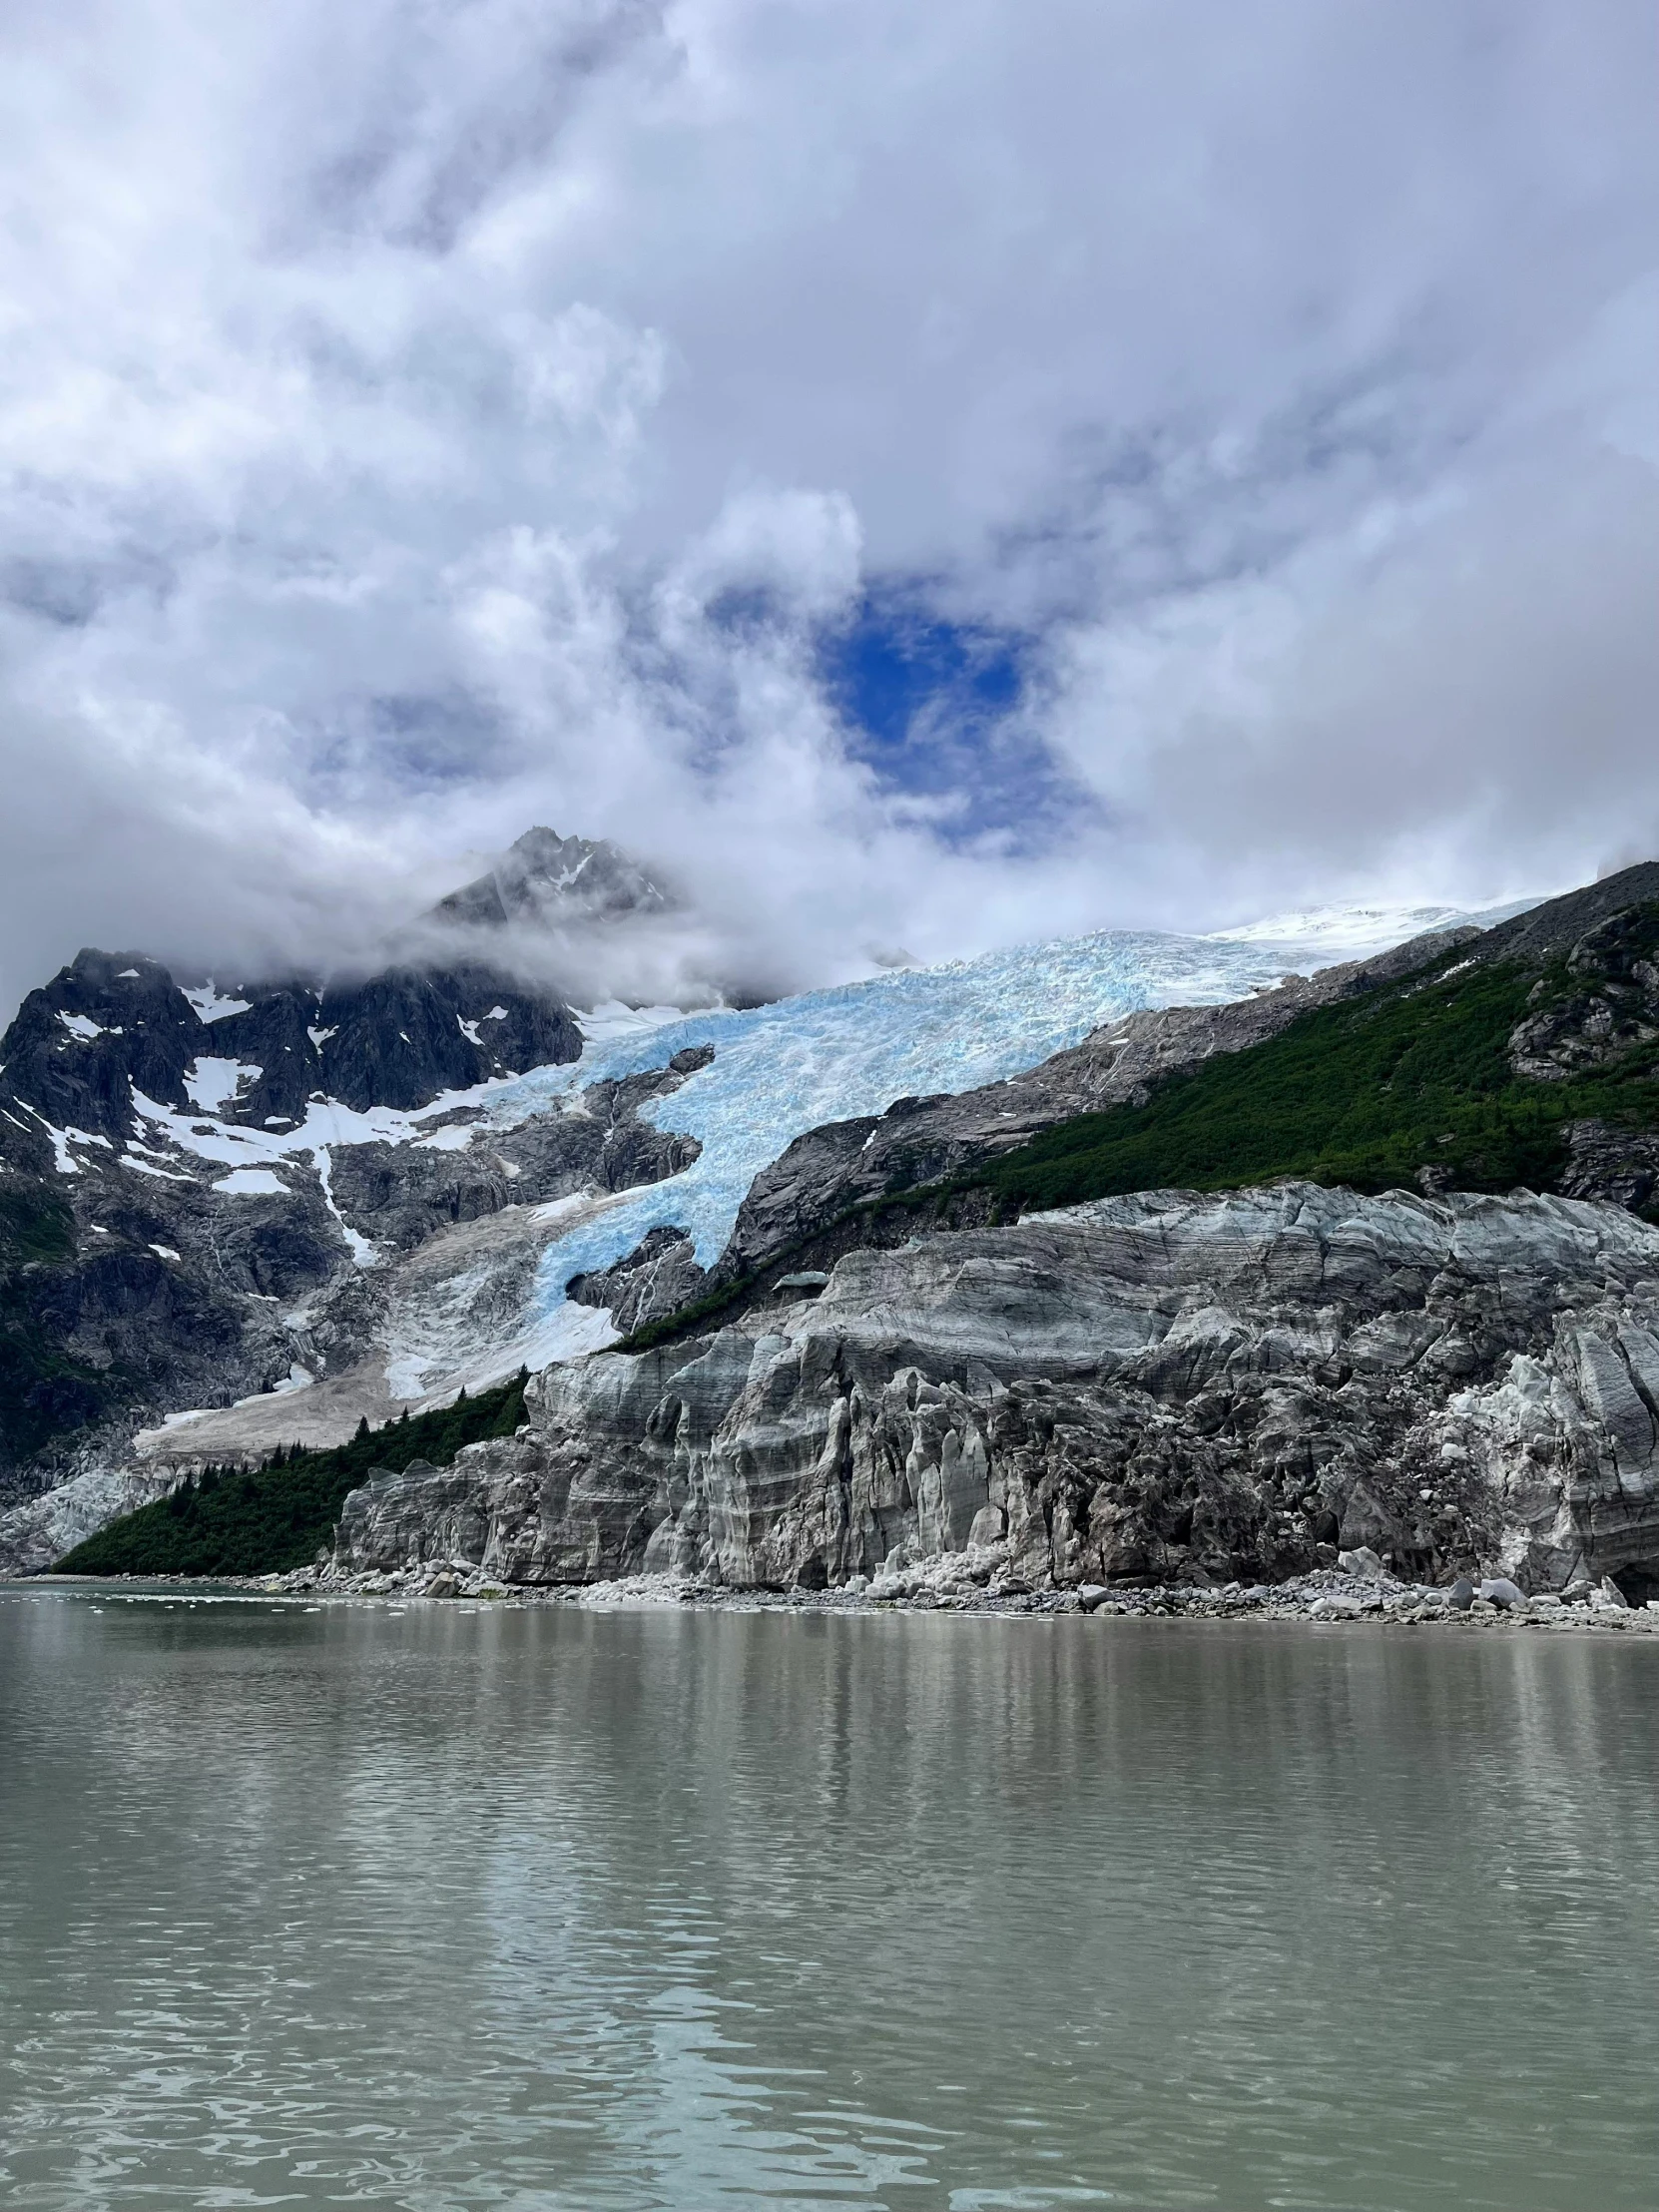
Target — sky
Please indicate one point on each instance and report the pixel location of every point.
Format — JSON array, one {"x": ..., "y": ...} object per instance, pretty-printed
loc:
[{"x": 923, "y": 477}]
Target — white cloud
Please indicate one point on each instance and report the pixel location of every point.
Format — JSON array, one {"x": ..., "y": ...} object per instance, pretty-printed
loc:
[{"x": 435, "y": 415}]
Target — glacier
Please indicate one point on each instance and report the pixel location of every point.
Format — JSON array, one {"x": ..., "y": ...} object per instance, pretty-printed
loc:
[
  {"x": 778, "y": 1070},
  {"x": 832, "y": 1055}
]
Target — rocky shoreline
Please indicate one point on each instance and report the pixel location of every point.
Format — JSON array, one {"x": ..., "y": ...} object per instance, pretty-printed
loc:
[{"x": 1358, "y": 1589}]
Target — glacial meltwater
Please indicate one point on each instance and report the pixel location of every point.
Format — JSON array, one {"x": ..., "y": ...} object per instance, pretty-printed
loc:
[{"x": 454, "y": 1907}]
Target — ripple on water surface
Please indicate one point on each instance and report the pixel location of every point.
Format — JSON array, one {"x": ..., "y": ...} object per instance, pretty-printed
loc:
[{"x": 555, "y": 1908}]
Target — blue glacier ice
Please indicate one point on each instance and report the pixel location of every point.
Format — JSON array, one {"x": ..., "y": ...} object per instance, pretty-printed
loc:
[{"x": 783, "y": 1068}]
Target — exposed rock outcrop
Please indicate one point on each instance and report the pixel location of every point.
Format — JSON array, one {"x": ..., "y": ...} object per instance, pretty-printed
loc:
[
  {"x": 659, "y": 1277},
  {"x": 1164, "y": 1388},
  {"x": 1609, "y": 1007},
  {"x": 398, "y": 1196}
]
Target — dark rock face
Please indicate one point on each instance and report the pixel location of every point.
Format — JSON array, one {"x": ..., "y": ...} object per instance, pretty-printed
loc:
[
  {"x": 402, "y": 1038},
  {"x": 545, "y": 877},
  {"x": 1546, "y": 932},
  {"x": 658, "y": 1277},
  {"x": 1158, "y": 1388},
  {"x": 1611, "y": 1006},
  {"x": 109, "y": 1023},
  {"x": 164, "y": 1294},
  {"x": 273, "y": 1037}
]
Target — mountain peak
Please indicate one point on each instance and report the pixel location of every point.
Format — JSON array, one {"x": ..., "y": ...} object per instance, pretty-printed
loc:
[{"x": 544, "y": 878}]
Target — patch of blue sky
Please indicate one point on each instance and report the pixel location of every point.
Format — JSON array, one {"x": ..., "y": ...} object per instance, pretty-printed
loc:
[
  {"x": 832, "y": 1055},
  {"x": 934, "y": 708}
]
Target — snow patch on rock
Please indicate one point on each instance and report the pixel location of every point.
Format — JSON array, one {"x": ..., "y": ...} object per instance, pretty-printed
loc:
[
  {"x": 209, "y": 1004},
  {"x": 251, "y": 1183}
]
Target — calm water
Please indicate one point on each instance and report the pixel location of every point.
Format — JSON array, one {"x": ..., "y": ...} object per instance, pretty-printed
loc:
[{"x": 552, "y": 1909}]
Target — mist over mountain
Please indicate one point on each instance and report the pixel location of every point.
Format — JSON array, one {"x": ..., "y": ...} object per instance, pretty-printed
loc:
[{"x": 583, "y": 917}]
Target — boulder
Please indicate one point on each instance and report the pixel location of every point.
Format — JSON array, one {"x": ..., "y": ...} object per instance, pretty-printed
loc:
[
  {"x": 1361, "y": 1561},
  {"x": 1501, "y": 1592}
]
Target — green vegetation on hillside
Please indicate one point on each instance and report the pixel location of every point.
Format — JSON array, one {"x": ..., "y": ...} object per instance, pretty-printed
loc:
[
  {"x": 1363, "y": 1093},
  {"x": 236, "y": 1521},
  {"x": 35, "y": 1225},
  {"x": 43, "y": 1392}
]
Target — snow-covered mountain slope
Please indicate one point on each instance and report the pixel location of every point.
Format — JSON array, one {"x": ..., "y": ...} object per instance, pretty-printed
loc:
[
  {"x": 1316, "y": 934},
  {"x": 776, "y": 1071}
]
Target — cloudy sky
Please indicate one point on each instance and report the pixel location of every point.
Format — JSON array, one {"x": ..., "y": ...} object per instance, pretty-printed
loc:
[{"x": 926, "y": 474}]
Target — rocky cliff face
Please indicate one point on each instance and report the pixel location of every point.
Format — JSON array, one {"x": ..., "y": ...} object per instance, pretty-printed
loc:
[{"x": 1152, "y": 1388}]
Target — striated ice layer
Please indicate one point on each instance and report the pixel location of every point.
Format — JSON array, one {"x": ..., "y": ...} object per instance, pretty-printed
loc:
[{"x": 830, "y": 1055}]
